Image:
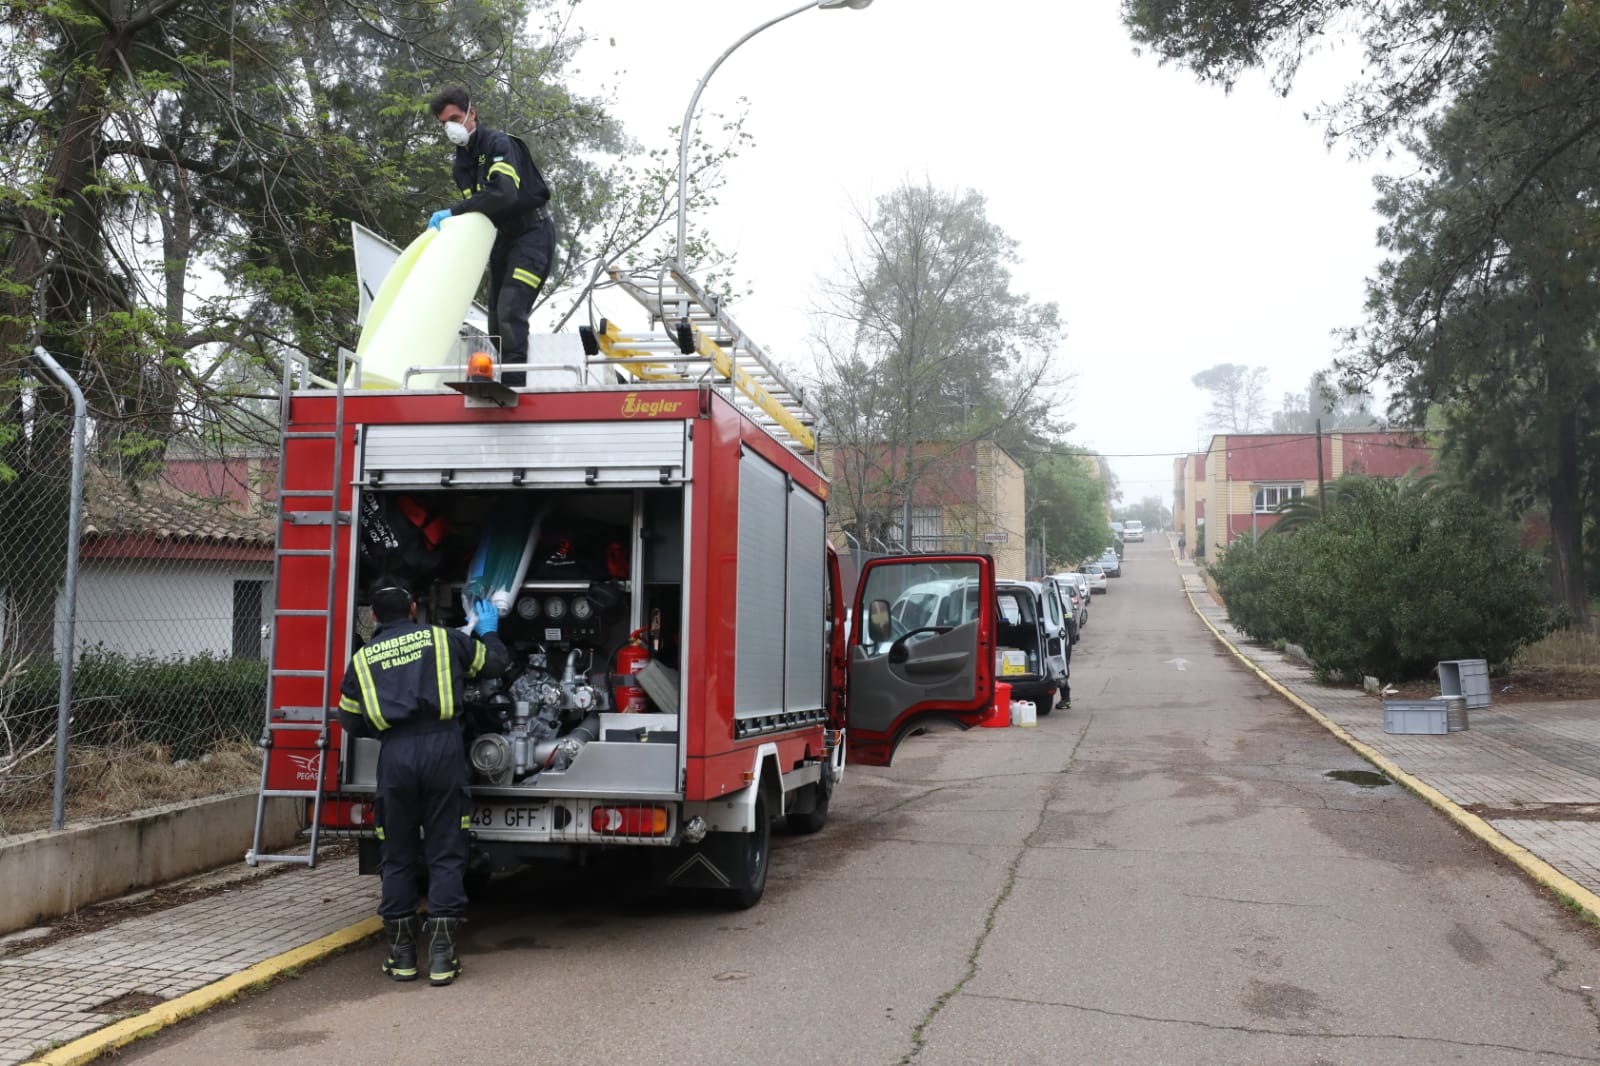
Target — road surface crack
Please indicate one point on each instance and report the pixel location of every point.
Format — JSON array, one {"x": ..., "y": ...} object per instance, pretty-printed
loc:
[
  {"x": 1543, "y": 1054},
  {"x": 919, "y": 1033}
]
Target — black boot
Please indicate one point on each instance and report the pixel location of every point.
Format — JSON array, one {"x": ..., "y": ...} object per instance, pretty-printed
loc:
[
  {"x": 441, "y": 934},
  {"x": 402, "y": 961}
]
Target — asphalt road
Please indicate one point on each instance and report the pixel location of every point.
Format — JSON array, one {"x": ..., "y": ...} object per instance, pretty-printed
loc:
[{"x": 1163, "y": 873}]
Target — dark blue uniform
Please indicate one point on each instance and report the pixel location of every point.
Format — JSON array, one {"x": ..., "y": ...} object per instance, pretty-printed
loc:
[
  {"x": 496, "y": 176},
  {"x": 404, "y": 687}
]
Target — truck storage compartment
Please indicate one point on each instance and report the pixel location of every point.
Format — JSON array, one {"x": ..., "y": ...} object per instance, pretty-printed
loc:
[{"x": 600, "y": 581}]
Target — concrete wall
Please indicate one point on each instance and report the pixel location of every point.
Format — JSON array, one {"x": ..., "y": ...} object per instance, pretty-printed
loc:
[{"x": 52, "y": 873}]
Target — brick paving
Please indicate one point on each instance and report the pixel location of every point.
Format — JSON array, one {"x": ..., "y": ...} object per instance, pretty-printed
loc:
[
  {"x": 1542, "y": 756},
  {"x": 68, "y": 989}
]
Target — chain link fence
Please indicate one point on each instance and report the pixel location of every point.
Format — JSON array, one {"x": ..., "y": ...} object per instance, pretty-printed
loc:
[{"x": 169, "y": 642}]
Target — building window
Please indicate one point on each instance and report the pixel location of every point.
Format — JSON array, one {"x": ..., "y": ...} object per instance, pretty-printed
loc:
[
  {"x": 927, "y": 530},
  {"x": 247, "y": 596},
  {"x": 1270, "y": 497}
]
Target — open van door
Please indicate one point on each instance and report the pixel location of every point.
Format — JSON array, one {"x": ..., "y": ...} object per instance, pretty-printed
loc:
[{"x": 922, "y": 643}]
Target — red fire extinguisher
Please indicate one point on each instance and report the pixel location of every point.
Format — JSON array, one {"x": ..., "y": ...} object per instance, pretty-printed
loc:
[{"x": 631, "y": 658}]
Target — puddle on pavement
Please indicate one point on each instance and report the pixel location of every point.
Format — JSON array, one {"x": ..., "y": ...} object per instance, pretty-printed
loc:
[
  {"x": 128, "y": 1002},
  {"x": 1359, "y": 778}
]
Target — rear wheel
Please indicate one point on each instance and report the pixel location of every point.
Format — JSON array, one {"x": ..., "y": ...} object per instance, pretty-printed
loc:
[
  {"x": 749, "y": 872},
  {"x": 812, "y": 821}
]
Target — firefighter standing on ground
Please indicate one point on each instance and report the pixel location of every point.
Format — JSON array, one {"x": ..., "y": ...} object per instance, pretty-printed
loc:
[
  {"x": 405, "y": 687},
  {"x": 497, "y": 178}
]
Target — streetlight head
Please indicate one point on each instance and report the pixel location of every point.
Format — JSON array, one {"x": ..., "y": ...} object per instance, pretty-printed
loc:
[{"x": 828, "y": 5}]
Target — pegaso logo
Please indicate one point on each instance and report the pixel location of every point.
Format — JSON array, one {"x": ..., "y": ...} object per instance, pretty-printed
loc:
[
  {"x": 306, "y": 767},
  {"x": 633, "y": 407}
]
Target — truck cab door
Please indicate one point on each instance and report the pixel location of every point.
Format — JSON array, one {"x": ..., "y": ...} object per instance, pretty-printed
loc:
[
  {"x": 837, "y": 665},
  {"x": 932, "y": 658}
]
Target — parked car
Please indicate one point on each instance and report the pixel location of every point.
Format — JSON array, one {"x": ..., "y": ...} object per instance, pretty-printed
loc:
[
  {"x": 1072, "y": 603},
  {"x": 1133, "y": 529},
  {"x": 1020, "y": 645},
  {"x": 1110, "y": 562},
  {"x": 1096, "y": 577},
  {"x": 1077, "y": 590},
  {"x": 1081, "y": 581},
  {"x": 942, "y": 602}
]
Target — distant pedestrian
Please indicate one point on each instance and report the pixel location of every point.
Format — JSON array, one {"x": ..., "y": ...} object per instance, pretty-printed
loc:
[
  {"x": 404, "y": 687},
  {"x": 1181, "y": 546}
]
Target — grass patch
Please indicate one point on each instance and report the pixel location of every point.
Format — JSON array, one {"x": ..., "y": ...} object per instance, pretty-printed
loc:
[
  {"x": 105, "y": 781},
  {"x": 1570, "y": 648}
]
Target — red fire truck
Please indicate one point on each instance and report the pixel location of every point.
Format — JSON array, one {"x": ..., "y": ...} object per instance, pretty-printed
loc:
[{"x": 682, "y": 676}]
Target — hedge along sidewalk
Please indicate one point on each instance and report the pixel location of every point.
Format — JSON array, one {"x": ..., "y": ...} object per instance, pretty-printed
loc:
[
  {"x": 177, "y": 962},
  {"x": 1463, "y": 761}
]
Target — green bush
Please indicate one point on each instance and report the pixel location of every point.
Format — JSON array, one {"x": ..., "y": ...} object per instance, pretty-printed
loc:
[
  {"x": 1257, "y": 582},
  {"x": 1396, "y": 577},
  {"x": 189, "y": 706}
]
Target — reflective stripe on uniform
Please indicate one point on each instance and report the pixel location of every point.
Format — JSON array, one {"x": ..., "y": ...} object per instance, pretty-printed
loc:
[
  {"x": 466, "y": 821},
  {"x": 478, "y": 658},
  {"x": 502, "y": 167},
  {"x": 349, "y": 705},
  {"x": 465, "y": 193},
  {"x": 369, "y": 691},
  {"x": 441, "y": 667},
  {"x": 380, "y": 832},
  {"x": 527, "y": 277}
]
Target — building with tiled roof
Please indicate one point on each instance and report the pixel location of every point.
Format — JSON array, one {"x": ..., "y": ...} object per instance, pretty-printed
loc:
[{"x": 175, "y": 567}]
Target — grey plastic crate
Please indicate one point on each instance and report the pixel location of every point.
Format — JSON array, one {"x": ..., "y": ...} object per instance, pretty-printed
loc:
[
  {"x": 1415, "y": 716},
  {"x": 1465, "y": 677}
]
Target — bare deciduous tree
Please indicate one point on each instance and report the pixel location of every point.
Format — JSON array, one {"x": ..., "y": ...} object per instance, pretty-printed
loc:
[{"x": 924, "y": 349}]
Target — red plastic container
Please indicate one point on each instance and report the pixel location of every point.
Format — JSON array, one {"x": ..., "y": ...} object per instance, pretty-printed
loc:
[{"x": 999, "y": 716}]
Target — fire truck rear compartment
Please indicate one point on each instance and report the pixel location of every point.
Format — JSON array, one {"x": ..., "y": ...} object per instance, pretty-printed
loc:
[{"x": 606, "y": 564}]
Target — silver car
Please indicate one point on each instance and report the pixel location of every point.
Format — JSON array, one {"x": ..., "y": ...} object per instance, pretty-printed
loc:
[{"x": 1075, "y": 583}]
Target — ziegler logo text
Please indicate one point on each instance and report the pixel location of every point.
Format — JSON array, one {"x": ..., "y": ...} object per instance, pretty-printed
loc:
[{"x": 632, "y": 406}]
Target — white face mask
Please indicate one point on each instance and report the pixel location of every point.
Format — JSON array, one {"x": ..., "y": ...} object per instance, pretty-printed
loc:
[{"x": 456, "y": 133}]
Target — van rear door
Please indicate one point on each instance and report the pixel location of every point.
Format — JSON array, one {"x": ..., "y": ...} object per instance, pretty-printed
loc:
[{"x": 910, "y": 662}]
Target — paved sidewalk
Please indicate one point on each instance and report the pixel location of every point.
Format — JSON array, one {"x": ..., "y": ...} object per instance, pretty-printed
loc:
[
  {"x": 1530, "y": 770},
  {"x": 75, "y": 986}
]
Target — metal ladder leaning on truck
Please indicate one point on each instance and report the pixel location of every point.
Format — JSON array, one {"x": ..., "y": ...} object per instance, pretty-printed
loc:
[{"x": 681, "y": 510}]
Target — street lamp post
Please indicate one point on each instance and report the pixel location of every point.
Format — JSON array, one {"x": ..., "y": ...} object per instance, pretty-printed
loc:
[{"x": 688, "y": 116}]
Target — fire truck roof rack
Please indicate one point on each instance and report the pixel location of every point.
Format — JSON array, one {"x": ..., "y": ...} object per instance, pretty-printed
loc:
[{"x": 699, "y": 339}]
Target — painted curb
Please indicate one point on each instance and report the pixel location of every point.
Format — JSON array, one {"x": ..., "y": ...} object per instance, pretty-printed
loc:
[
  {"x": 1527, "y": 861},
  {"x": 88, "y": 1048}
]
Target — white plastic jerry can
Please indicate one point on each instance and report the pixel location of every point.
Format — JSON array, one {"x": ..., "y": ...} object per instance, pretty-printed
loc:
[{"x": 1024, "y": 713}]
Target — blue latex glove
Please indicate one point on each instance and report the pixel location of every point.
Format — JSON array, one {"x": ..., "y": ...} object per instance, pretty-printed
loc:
[
  {"x": 438, "y": 217},
  {"x": 488, "y": 617}
]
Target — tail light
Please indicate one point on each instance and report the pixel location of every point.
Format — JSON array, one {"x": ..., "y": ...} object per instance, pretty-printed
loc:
[
  {"x": 345, "y": 814},
  {"x": 629, "y": 821}
]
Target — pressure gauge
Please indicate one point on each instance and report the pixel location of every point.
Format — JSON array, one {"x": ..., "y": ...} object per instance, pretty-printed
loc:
[
  {"x": 555, "y": 608},
  {"x": 528, "y": 608},
  {"x": 582, "y": 609}
]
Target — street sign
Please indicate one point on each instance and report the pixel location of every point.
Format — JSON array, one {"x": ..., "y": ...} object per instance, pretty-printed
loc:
[{"x": 996, "y": 538}]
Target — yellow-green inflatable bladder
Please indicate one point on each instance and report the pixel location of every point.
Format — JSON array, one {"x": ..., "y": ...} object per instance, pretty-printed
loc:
[{"x": 417, "y": 313}]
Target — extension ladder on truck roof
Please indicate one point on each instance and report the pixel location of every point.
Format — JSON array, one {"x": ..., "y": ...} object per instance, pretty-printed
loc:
[{"x": 700, "y": 341}]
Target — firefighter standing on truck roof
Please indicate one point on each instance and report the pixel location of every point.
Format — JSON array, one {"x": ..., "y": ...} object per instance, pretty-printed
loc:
[
  {"x": 495, "y": 173},
  {"x": 404, "y": 687}
]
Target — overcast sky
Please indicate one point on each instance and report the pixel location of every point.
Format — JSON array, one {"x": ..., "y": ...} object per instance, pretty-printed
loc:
[{"x": 1176, "y": 226}]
